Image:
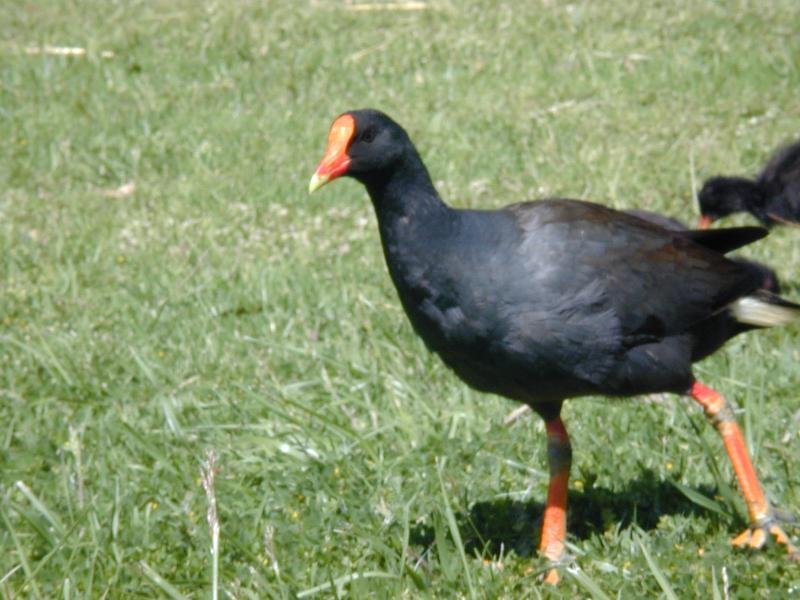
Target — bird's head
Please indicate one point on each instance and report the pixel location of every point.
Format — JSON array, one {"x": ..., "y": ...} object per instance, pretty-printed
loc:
[
  {"x": 363, "y": 144},
  {"x": 722, "y": 196}
]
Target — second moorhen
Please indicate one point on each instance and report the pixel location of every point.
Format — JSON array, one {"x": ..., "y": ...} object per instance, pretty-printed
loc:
[
  {"x": 773, "y": 197},
  {"x": 549, "y": 300}
]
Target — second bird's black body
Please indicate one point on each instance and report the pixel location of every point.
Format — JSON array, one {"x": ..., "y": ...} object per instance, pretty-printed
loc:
[{"x": 773, "y": 197}]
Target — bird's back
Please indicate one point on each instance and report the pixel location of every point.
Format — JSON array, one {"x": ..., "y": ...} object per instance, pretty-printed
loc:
[
  {"x": 780, "y": 185},
  {"x": 783, "y": 168}
]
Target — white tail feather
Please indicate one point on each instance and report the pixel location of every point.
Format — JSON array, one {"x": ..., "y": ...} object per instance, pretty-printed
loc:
[{"x": 755, "y": 311}]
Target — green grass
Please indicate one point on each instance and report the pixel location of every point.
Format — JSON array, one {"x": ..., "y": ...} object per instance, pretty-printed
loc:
[{"x": 220, "y": 308}]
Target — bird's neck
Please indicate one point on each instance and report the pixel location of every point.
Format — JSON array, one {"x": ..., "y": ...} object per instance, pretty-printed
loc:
[
  {"x": 738, "y": 194},
  {"x": 405, "y": 199},
  {"x": 412, "y": 220},
  {"x": 751, "y": 198}
]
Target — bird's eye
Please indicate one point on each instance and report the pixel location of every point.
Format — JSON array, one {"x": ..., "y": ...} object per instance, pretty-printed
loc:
[{"x": 368, "y": 135}]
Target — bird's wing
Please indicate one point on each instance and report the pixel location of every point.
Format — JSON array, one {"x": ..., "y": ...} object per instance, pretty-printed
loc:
[{"x": 655, "y": 282}]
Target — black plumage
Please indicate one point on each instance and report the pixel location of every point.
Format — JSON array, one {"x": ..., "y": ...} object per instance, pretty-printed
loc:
[
  {"x": 773, "y": 197},
  {"x": 769, "y": 279}
]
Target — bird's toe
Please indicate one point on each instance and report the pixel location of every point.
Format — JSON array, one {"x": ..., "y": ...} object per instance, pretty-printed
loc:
[
  {"x": 743, "y": 539},
  {"x": 756, "y": 536},
  {"x": 552, "y": 577}
]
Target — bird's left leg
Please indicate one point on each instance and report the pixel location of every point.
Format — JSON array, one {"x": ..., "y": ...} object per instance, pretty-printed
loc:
[
  {"x": 763, "y": 520},
  {"x": 554, "y": 524}
]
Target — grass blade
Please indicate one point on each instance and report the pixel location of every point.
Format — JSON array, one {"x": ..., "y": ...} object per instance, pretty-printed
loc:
[
  {"x": 23, "y": 557},
  {"x": 340, "y": 582},
  {"x": 161, "y": 583},
  {"x": 54, "y": 521},
  {"x": 587, "y": 583},
  {"x": 715, "y": 593},
  {"x": 451, "y": 523},
  {"x": 657, "y": 573},
  {"x": 48, "y": 365},
  {"x": 209, "y": 473},
  {"x": 700, "y": 499}
]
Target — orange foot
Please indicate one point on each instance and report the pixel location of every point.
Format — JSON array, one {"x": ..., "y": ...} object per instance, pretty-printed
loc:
[
  {"x": 755, "y": 536},
  {"x": 552, "y": 577}
]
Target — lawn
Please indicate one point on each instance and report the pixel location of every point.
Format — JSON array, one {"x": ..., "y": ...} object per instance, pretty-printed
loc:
[{"x": 171, "y": 297}]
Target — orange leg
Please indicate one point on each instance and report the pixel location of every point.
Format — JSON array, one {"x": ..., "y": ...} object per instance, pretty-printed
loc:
[
  {"x": 762, "y": 519},
  {"x": 554, "y": 525}
]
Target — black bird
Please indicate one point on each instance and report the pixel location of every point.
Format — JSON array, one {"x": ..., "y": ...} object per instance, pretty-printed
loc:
[
  {"x": 769, "y": 279},
  {"x": 550, "y": 300},
  {"x": 773, "y": 197}
]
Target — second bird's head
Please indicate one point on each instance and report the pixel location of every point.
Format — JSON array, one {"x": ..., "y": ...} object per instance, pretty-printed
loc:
[
  {"x": 363, "y": 144},
  {"x": 723, "y": 196}
]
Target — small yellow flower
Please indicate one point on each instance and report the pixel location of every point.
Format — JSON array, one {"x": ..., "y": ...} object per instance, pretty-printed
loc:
[
  {"x": 670, "y": 466},
  {"x": 578, "y": 484}
]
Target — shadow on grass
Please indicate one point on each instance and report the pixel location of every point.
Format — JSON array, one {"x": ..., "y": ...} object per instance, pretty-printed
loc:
[{"x": 514, "y": 525}]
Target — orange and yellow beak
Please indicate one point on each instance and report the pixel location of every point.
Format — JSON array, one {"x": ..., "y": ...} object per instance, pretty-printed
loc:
[
  {"x": 704, "y": 222},
  {"x": 335, "y": 162}
]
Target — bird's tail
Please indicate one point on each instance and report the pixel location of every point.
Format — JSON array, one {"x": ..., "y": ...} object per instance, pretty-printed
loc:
[{"x": 764, "y": 309}]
